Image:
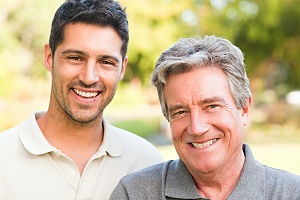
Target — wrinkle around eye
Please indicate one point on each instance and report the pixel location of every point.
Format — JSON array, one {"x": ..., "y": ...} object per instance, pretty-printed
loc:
[
  {"x": 215, "y": 107},
  {"x": 178, "y": 114}
]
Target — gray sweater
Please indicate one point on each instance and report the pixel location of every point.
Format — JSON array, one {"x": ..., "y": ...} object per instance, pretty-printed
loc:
[{"x": 172, "y": 180}]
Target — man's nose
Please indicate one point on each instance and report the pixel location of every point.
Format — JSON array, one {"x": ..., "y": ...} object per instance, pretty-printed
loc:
[
  {"x": 198, "y": 123},
  {"x": 89, "y": 74}
]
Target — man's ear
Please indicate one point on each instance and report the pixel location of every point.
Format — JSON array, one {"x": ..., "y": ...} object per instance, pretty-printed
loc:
[
  {"x": 246, "y": 111},
  {"x": 48, "y": 57},
  {"x": 124, "y": 65}
]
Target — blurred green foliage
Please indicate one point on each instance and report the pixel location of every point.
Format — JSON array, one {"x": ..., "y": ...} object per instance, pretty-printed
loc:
[
  {"x": 267, "y": 31},
  {"x": 24, "y": 29},
  {"x": 142, "y": 127}
]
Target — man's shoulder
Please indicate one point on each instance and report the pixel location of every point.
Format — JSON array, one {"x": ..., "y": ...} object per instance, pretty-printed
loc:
[
  {"x": 153, "y": 174},
  {"x": 135, "y": 147},
  {"x": 13, "y": 133},
  {"x": 282, "y": 184},
  {"x": 9, "y": 135},
  {"x": 274, "y": 175},
  {"x": 147, "y": 183},
  {"x": 9, "y": 143}
]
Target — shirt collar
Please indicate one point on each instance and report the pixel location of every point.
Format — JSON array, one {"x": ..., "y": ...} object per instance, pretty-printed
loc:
[
  {"x": 36, "y": 143},
  {"x": 251, "y": 183},
  {"x": 111, "y": 143},
  {"x": 32, "y": 138},
  {"x": 180, "y": 183}
]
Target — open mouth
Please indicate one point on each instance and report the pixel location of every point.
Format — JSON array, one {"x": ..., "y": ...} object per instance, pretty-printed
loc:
[
  {"x": 204, "y": 144},
  {"x": 86, "y": 94}
]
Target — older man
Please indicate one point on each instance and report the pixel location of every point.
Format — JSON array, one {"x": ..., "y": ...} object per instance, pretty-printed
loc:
[{"x": 205, "y": 95}]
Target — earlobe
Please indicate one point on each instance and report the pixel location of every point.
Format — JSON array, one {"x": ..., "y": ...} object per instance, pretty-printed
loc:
[
  {"x": 246, "y": 111},
  {"x": 122, "y": 72},
  {"x": 48, "y": 57}
]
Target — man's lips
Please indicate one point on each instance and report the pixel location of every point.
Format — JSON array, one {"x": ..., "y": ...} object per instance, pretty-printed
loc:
[
  {"x": 204, "y": 144},
  {"x": 86, "y": 94}
]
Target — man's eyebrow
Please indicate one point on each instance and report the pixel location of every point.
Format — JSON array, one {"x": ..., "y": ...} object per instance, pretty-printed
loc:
[
  {"x": 173, "y": 108},
  {"x": 67, "y": 51},
  {"x": 109, "y": 57},
  {"x": 212, "y": 100},
  {"x": 74, "y": 51}
]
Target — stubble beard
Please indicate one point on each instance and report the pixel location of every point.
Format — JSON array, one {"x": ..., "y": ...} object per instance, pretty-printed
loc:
[
  {"x": 70, "y": 114},
  {"x": 83, "y": 116}
]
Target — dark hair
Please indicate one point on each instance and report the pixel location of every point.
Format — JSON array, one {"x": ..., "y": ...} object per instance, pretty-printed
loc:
[{"x": 104, "y": 13}]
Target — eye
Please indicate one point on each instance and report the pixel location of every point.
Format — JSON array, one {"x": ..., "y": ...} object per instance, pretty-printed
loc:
[
  {"x": 213, "y": 106},
  {"x": 75, "y": 58},
  {"x": 178, "y": 113},
  {"x": 107, "y": 62}
]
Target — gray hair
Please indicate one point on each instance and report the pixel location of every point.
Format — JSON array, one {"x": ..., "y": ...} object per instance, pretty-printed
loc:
[{"x": 190, "y": 53}]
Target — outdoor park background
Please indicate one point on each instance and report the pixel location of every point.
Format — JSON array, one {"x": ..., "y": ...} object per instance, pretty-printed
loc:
[{"x": 268, "y": 32}]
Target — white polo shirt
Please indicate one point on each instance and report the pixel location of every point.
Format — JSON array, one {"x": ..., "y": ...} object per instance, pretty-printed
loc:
[{"x": 32, "y": 169}]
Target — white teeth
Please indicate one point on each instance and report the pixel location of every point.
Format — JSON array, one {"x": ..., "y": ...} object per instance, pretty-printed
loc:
[
  {"x": 85, "y": 94},
  {"x": 205, "y": 144}
]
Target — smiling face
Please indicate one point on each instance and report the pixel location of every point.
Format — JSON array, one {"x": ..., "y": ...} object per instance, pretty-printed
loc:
[
  {"x": 207, "y": 127},
  {"x": 86, "y": 69}
]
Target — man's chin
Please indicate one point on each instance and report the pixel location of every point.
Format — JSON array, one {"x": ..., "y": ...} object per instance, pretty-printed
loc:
[{"x": 85, "y": 118}]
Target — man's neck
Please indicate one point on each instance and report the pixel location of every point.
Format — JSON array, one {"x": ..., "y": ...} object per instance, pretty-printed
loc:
[
  {"x": 219, "y": 184},
  {"x": 78, "y": 142}
]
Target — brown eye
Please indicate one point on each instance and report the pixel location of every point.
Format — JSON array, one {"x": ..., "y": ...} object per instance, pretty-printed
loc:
[
  {"x": 75, "y": 58},
  {"x": 107, "y": 62}
]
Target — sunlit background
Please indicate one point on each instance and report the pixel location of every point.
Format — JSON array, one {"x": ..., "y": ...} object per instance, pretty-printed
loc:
[{"x": 268, "y": 32}]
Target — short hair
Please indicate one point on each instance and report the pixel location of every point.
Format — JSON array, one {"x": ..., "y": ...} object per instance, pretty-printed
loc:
[
  {"x": 190, "y": 53},
  {"x": 103, "y": 13}
]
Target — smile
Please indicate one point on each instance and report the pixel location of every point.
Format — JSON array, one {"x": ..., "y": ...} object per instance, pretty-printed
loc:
[
  {"x": 205, "y": 144},
  {"x": 86, "y": 94}
]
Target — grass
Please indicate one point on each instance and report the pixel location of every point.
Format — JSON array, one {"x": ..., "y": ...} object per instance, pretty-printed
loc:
[{"x": 142, "y": 127}]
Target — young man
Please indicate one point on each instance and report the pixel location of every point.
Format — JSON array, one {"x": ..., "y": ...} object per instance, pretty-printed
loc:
[
  {"x": 71, "y": 151},
  {"x": 205, "y": 95}
]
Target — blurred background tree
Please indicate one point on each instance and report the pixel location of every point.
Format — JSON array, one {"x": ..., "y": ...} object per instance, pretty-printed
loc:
[
  {"x": 24, "y": 29},
  {"x": 266, "y": 31}
]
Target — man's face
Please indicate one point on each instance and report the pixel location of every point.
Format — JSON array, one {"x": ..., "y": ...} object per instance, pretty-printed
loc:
[
  {"x": 86, "y": 69},
  {"x": 207, "y": 128}
]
